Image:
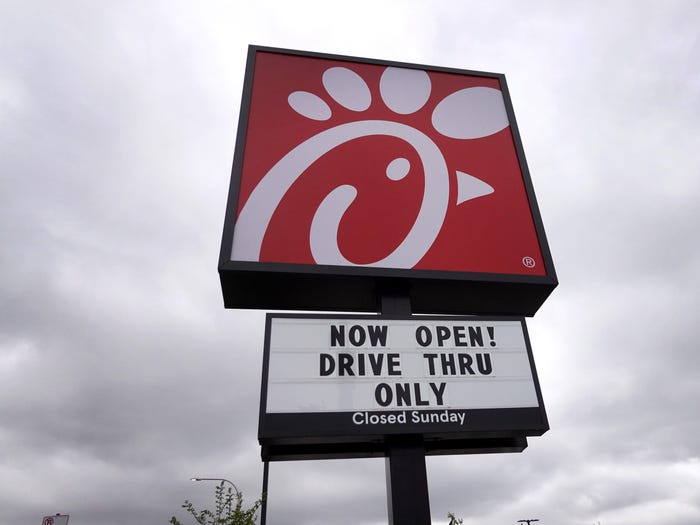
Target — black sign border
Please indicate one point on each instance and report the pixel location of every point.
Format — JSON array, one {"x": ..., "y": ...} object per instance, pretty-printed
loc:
[
  {"x": 330, "y": 436},
  {"x": 282, "y": 286}
]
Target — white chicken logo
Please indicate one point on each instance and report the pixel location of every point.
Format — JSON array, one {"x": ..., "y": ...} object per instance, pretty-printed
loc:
[{"x": 469, "y": 113}]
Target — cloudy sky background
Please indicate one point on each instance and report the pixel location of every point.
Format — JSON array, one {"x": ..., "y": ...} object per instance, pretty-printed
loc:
[{"x": 122, "y": 375}]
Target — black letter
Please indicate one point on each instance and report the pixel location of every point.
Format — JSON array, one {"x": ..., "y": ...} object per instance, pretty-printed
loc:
[
  {"x": 355, "y": 339},
  {"x": 360, "y": 364},
  {"x": 383, "y": 400},
  {"x": 327, "y": 364},
  {"x": 438, "y": 391},
  {"x": 448, "y": 361},
  {"x": 377, "y": 334},
  {"x": 459, "y": 336},
  {"x": 375, "y": 362},
  {"x": 394, "y": 364},
  {"x": 431, "y": 362},
  {"x": 484, "y": 367},
  {"x": 423, "y": 336},
  {"x": 476, "y": 338},
  {"x": 403, "y": 394},
  {"x": 443, "y": 334},
  {"x": 465, "y": 364},
  {"x": 419, "y": 400},
  {"x": 344, "y": 364},
  {"x": 337, "y": 335}
]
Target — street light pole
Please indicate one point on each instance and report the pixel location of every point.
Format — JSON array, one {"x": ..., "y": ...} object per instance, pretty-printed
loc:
[
  {"x": 238, "y": 493},
  {"x": 263, "y": 512}
]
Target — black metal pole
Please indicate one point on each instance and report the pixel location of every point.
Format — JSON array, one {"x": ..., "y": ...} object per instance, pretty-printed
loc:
[
  {"x": 263, "y": 507},
  {"x": 408, "y": 500},
  {"x": 407, "y": 482}
]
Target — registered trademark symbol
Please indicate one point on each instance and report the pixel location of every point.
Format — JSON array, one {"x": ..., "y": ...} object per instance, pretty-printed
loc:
[{"x": 529, "y": 262}]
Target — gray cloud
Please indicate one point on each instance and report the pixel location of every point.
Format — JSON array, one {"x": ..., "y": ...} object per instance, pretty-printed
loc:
[{"x": 122, "y": 376}]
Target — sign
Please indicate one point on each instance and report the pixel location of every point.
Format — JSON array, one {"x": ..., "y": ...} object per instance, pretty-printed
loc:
[
  {"x": 350, "y": 173},
  {"x": 58, "y": 519},
  {"x": 357, "y": 380}
]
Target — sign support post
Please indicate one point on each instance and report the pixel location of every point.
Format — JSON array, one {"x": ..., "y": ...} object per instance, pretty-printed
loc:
[
  {"x": 263, "y": 506},
  {"x": 407, "y": 494},
  {"x": 407, "y": 482}
]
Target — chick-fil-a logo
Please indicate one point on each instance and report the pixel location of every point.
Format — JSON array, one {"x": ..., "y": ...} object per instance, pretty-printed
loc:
[{"x": 414, "y": 120}]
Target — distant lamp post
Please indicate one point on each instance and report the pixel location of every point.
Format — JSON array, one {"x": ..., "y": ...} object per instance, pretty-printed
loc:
[
  {"x": 238, "y": 492},
  {"x": 528, "y": 521}
]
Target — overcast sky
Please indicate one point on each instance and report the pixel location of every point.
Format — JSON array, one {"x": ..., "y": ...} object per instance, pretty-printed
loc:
[{"x": 122, "y": 375}]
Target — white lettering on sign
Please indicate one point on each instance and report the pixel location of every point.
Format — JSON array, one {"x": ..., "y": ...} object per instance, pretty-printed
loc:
[
  {"x": 373, "y": 365},
  {"x": 415, "y": 416}
]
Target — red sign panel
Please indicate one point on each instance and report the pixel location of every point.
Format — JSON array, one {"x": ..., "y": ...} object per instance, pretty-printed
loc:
[{"x": 351, "y": 163}]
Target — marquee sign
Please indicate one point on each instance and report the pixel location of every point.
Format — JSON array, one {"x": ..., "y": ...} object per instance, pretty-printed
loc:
[
  {"x": 353, "y": 173},
  {"x": 354, "y": 381}
]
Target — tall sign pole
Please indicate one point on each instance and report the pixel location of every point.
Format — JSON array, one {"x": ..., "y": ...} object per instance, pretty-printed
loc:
[
  {"x": 408, "y": 499},
  {"x": 390, "y": 190}
]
